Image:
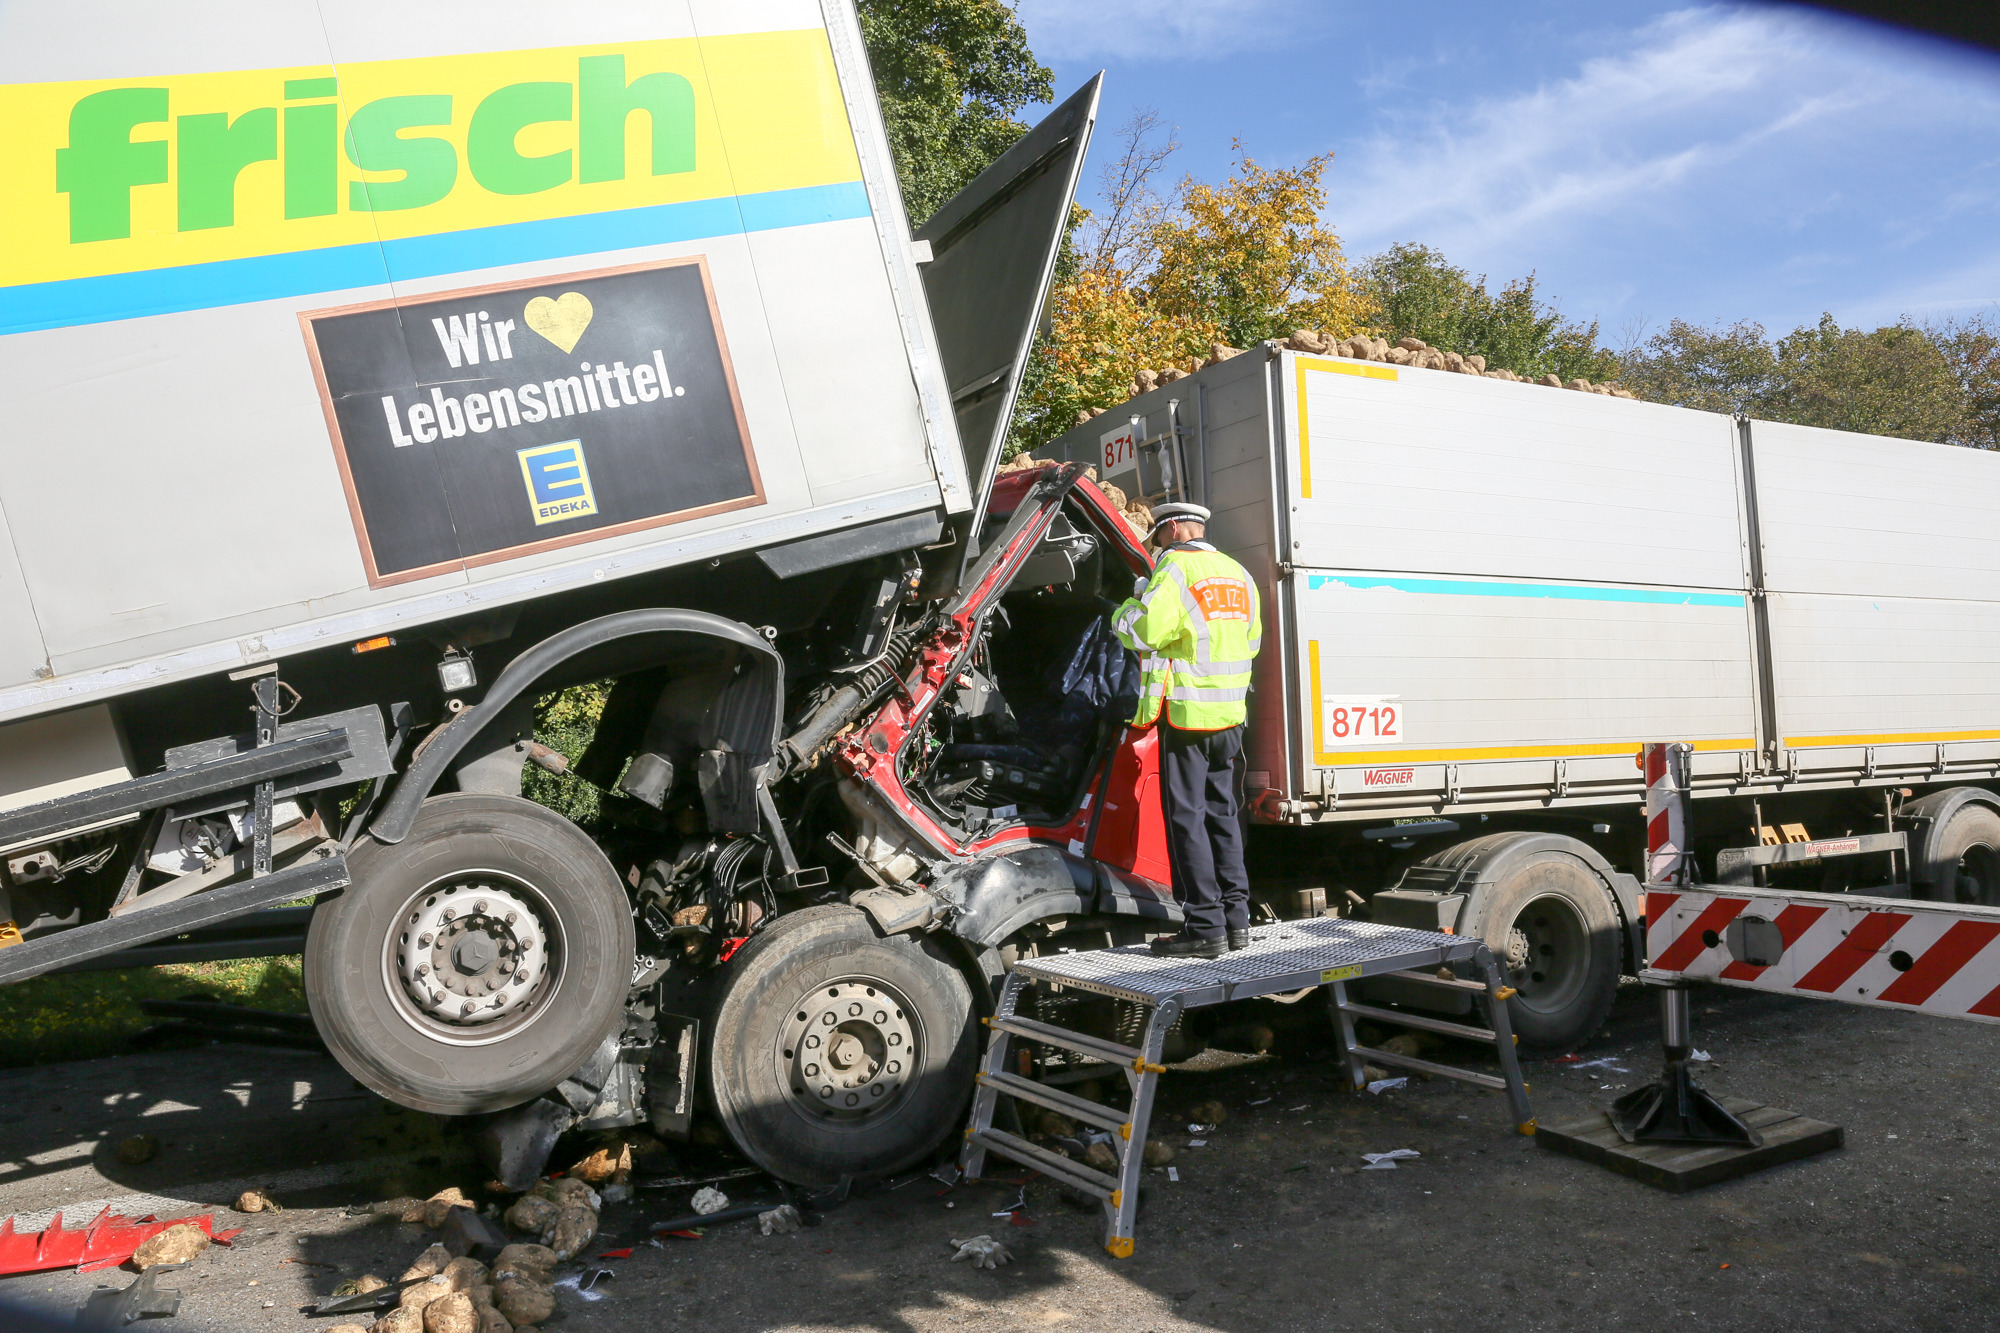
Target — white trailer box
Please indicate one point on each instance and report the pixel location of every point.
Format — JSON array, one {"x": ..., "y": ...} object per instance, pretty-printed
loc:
[
  {"x": 322, "y": 320},
  {"x": 1487, "y": 594}
]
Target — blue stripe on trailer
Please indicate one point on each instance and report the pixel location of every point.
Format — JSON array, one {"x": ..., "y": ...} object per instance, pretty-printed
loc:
[{"x": 1566, "y": 592}]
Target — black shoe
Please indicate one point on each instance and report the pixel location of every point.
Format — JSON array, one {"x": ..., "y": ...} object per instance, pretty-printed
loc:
[
  {"x": 1239, "y": 939},
  {"x": 1185, "y": 945}
]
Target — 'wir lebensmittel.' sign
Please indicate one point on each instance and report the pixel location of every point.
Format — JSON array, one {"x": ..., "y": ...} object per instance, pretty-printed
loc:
[{"x": 483, "y": 424}]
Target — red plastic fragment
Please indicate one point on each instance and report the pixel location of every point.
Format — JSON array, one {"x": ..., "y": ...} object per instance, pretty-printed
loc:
[
  {"x": 616, "y": 1254},
  {"x": 106, "y": 1242},
  {"x": 730, "y": 946}
]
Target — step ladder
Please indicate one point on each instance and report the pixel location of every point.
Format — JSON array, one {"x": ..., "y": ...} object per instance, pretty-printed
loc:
[{"x": 1284, "y": 957}]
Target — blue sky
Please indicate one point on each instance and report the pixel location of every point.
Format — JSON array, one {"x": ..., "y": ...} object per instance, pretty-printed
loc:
[{"x": 1647, "y": 161}]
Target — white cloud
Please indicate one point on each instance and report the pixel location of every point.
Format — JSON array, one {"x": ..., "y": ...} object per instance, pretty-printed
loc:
[
  {"x": 1709, "y": 119},
  {"x": 1156, "y": 29}
]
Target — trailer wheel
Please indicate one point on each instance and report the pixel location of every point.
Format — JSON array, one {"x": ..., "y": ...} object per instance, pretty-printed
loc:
[
  {"x": 1549, "y": 922},
  {"x": 836, "y": 1052},
  {"x": 475, "y": 964},
  {"x": 1966, "y": 853}
]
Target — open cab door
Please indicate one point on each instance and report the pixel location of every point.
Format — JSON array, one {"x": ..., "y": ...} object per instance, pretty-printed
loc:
[{"x": 993, "y": 257}]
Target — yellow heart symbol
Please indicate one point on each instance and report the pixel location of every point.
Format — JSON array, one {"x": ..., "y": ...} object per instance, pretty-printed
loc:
[{"x": 561, "y": 319}]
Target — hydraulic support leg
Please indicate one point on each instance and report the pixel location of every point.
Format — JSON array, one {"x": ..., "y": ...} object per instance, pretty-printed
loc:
[{"x": 1676, "y": 1109}]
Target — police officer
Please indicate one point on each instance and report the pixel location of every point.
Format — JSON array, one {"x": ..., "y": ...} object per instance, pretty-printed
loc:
[{"x": 1196, "y": 626}]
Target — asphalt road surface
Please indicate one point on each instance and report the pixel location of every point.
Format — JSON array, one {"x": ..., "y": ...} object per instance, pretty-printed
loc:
[{"x": 1271, "y": 1225}]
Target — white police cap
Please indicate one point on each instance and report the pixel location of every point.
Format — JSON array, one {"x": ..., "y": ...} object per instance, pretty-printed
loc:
[{"x": 1168, "y": 513}]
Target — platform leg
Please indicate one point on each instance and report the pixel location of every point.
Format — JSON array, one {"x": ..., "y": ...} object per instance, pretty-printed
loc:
[
  {"x": 1343, "y": 1025},
  {"x": 1497, "y": 995},
  {"x": 972, "y": 1155},
  {"x": 1121, "y": 1210}
]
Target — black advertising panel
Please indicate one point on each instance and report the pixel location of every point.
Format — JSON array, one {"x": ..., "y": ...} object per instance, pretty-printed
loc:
[{"x": 478, "y": 425}]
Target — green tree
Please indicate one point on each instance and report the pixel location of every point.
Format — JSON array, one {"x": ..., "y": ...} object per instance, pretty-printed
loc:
[
  {"x": 951, "y": 75},
  {"x": 1941, "y": 384},
  {"x": 1893, "y": 381},
  {"x": 1733, "y": 369},
  {"x": 1971, "y": 347},
  {"x": 1422, "y": 295}
]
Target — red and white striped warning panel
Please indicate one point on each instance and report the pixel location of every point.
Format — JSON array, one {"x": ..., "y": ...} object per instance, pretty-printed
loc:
[{"x": 1935, "y": 958}]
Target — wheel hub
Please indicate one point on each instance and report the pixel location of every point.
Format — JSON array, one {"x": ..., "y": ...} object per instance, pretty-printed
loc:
[
  {"x": 471, "y": 953},
  {"x": 847, "y": 1049}
]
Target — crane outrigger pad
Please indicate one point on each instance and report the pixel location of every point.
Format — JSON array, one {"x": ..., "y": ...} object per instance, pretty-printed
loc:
[{"x": 1283, "y": 957}]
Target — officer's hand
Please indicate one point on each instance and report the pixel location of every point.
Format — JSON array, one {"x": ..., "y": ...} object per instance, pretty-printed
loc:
[{"x": 1139, "y": 586}]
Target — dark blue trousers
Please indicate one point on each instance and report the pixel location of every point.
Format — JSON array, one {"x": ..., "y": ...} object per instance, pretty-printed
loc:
[{"x": 1200, "y": 776}]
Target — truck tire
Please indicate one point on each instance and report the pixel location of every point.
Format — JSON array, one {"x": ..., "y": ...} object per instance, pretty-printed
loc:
[
  {"x": 1548, "y": 917},
  {"x": 525, "y": 974},
  {"x": 1965, "y": 855},
  {"x": 834, "y": 1052}
]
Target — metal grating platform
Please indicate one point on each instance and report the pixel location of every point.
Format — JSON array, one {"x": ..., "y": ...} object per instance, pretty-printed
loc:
[
  {"x": 1281, "y": 957},
  {"x": 1286, "y": 956}
]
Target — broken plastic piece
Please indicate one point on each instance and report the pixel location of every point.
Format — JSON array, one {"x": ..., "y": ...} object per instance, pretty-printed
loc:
[
  {"x": 115, "y": 1307},
  {"x": 108, "y": 1241},
  {"x": 1382, "y": 1085},
  {"x": 1386, "y": 1161},
  {"x": 709, "y": 1200}
]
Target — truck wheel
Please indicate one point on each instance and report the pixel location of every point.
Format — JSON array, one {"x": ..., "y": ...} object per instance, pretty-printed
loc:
[
  {"x": 1549, "y": 922},
  {"x": 1966, "y": 853},
  {"x": 836, "y": 1052},
  {"x": 475, "y": 964}
]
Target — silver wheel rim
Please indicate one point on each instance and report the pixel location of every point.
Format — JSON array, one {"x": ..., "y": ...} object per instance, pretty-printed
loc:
[
  {"x": 847, "y": 1052},
  {"x": 473, "y": 957},
  {"x": 1547, "y": 953}
]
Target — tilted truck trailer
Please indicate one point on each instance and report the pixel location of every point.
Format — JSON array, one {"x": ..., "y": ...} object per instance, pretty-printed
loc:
[
  {"x": 1485, "y": 595},
  {"x": 377, "y": 372}
]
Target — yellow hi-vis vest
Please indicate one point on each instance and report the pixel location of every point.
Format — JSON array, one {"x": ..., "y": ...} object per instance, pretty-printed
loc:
[{"x": 1196, "y": 628}]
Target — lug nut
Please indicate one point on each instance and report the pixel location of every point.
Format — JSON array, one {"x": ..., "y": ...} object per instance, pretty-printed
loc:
[
  {"x": 510, "y": 917},
  {"x": 423, "y": 969},
  {"x": 446, "y": 915},
  {"x": 520, "y": 976},
  {"x": 425, "y": 940},
  {"x": 527, "y": 941},
  {"x": 479, "y": 907},
  {"x": 465, "y": 1010}
]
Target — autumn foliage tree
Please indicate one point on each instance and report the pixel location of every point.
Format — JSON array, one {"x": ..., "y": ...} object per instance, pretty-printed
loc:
[{"x": 1152, "y": 282}]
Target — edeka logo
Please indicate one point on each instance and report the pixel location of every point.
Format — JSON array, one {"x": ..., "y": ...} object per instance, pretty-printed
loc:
[
  {"x": 124, "y": 176},
  {"x": 558, "y": 482}
]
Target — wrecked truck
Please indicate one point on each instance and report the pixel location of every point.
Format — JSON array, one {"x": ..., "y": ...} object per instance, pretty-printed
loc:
[{"x": 374, "y": 380}]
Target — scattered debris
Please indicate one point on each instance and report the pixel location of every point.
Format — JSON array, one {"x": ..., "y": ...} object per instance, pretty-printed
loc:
[
  {"x": 467, "y": 1232},
  {"x": 1702, "y": 1056},
  {"x": 1210, "y": 1114},
  {"x": 1197, "y": 1143},
  {"x": 984, "y": 1251},
  {"x": 175, "y": 1246},
  {"x": 137, "y": 1149},
  {"x": 522, "y": 1290},
  {"x": 1201, "y": 1129},
  {"x": 115, "y": 1307},
  {"x": 1260, "y": 1101},
  {"x": 1158, "y": 1153},
  {"x": 1174, "y": 1174},
  {"x": 362, "y": 1296},
  {"x": 584, "y": 1284},
  {"x": 1102, "y": 1156},
  {"x": 1382, "y": 1085},
  {"x": 780, "y": 1221},
  {"x": 1608, "y": 1062},
  {"x": 709, "y": 1200},
  {"x": 110, "y": 1239},
  {"x": 1386, "y": 1161},
  {"x": 256, "y": 1201}
]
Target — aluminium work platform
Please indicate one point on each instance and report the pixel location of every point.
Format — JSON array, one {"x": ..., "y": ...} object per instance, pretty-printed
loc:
[{"x": 1284, "y": 957}]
